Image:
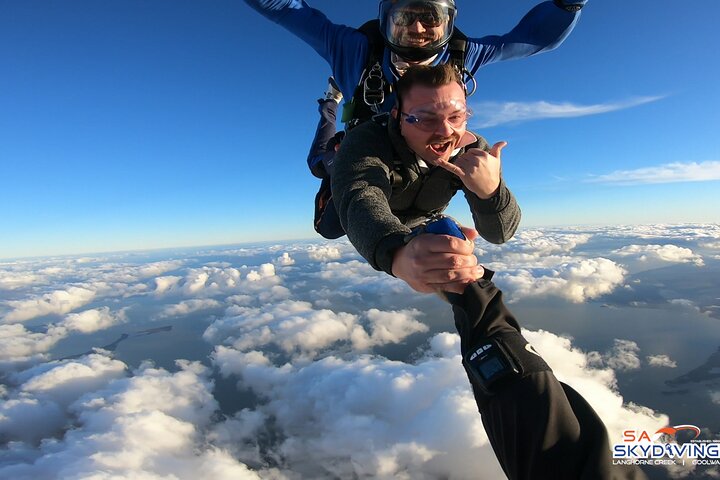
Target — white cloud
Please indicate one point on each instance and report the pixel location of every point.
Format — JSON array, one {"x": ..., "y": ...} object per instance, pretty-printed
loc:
[
  {"x": 359, "y": 277},
  {"x": 93, "y": 320},
  {"x": 623, "y": 356},
  {"x": 715, "y": 397},
  {"x": 187, "y": 307},
  {"x": 661, "y": 361},
  {"x": 266, "y": 270},
  {"x": 323, "y": 253},
  {"x": 407, "y": 420},
  {"x": 210, "y": 280},
  {"x": 299, "y": 330},
  {"x": 147, "y": 426},
  {"x": 490, "y": 114},
  {"x": 549, "y": 262},
  {"x": 685, "y": 303},
  {"x": 19, "y": 420},
  {"x": 10, "y": 280},
  {"x": 387, "y": 328},
  {"x": 668, "y": 173},
  {"x": 57, "y": 302},
  {"x": 19, "y": 345},
  {"x": 285, "y": 260},
  {"x": 576, "y": 281},
  {"x": 327, "y": 407},
  {"x": 45, "y": 391},
  {"x": 166, "y": 283},
  {"x": 64, "y": 381},
  {"x": 369, "y": 417},
  {"x": 158, "y": 268},
  {"x": 665, "y": 253},
  {"x": 664, "y": 232},
  {"x": 598, "y": 386},
  {"x": 539, "y": 243}
]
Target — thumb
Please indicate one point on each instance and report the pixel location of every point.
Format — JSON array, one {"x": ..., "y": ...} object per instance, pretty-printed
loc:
[
  {"x": 496, "y": 149},
  {"x": 470, "y": 233}
]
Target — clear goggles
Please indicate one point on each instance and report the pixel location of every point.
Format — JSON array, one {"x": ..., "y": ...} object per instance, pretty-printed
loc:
[{"x": 432, "y": 116}]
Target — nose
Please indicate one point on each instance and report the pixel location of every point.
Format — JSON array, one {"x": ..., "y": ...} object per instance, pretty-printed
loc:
[
  {"x": 416, "y": 26},
  {"x": 444, "y": 128}
]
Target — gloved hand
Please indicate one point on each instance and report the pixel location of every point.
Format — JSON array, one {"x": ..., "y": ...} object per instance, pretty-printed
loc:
[{"x": 570, "y": 5}]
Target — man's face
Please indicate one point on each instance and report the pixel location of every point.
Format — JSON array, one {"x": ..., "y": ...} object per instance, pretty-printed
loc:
[
  {"x": 440, "y": 114},
  {"x": 417, "y": 26}
]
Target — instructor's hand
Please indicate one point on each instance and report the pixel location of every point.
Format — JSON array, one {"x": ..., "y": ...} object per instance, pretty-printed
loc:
[{"x": 432, "y": 262}]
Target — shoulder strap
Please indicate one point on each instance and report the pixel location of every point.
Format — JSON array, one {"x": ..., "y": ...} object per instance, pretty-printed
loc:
[
  {"x": 373, "y": 87},
  {"x": 457, "y": 48}
]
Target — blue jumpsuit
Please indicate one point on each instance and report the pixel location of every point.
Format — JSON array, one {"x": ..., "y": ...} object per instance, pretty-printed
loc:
[{"x": 345, "y": 48}]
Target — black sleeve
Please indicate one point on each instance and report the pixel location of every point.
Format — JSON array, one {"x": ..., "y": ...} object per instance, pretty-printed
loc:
[{"x": 539, "y": 427}]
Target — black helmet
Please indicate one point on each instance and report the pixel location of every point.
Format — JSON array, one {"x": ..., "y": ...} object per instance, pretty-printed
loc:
[{"x": 397, "y": 15}]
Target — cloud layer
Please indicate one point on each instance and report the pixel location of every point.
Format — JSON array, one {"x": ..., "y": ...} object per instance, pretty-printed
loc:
[{"x": 340, "y": 371}]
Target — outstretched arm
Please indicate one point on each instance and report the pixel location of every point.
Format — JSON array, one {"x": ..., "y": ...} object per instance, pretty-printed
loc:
[
  {"x": 542, "y": 29},
  {"x": 538, "y": 426},
  {"x": 344, "y": 48}
]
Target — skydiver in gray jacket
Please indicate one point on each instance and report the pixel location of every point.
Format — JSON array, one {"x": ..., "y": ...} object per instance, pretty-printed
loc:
[{"x": 391, "y": 179}]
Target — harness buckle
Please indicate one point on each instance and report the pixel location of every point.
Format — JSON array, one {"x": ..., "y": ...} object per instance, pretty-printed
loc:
[{"x": 374, "y": 87}]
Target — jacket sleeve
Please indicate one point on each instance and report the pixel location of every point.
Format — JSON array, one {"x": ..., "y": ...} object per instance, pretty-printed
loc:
[
  {"x": 361, "y": 189},
  {"x": 496, "y": 218},
  {"x": 344, "y": 48},
  {"x": 538, "y": 426},
  {"x": 542, "y": 29}
]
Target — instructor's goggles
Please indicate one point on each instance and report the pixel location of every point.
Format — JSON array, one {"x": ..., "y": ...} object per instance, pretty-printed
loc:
[{"x": 428, "y": 19}]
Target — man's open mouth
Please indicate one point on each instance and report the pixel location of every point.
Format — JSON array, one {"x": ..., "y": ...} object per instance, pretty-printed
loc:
[{"x": 440, "y": 148}]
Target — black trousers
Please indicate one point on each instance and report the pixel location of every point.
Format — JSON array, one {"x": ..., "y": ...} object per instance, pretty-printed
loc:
[{"x": 539, "y": 427}]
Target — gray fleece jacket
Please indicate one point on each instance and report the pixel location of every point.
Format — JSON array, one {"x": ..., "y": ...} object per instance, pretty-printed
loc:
[{"x": 380, "y": 193}]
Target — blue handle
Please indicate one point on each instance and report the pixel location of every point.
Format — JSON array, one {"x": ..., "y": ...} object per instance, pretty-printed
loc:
[{"x": 445, "y": 226}]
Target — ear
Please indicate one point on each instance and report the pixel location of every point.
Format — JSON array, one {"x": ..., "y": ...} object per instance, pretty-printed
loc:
[{"x": 394, "y": 112}]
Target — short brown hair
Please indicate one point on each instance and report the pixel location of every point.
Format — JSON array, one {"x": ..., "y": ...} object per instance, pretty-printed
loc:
[{"x": 426, "y": 76}]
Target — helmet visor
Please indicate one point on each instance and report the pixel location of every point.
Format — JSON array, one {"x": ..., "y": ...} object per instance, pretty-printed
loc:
[
  {"x": 413, "y": 24},
  {"x": 429, "y": 18}
]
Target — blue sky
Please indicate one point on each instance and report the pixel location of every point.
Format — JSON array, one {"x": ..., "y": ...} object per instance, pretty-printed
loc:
[{"x": 133, "y": 125}]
